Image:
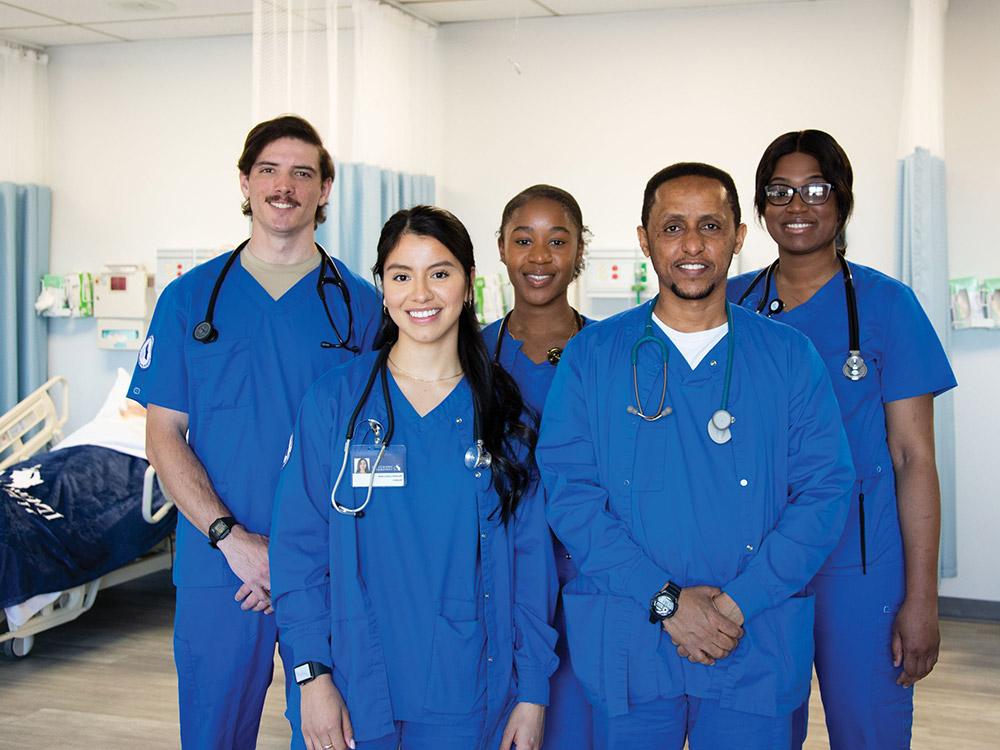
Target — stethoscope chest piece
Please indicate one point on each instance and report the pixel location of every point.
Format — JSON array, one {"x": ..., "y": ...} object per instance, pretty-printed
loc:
[
  {"x": 205, "y": 332},
  {"x": 718, "y": 427},
  {"x": 477, "y": 458},
  {"x": 855, "y": 367}
]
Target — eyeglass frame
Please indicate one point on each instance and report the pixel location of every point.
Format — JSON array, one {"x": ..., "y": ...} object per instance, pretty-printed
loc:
[{"x": 802, "y": 196}]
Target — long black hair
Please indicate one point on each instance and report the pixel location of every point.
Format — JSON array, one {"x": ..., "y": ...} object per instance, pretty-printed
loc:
[{"x": 497, "y": 401}]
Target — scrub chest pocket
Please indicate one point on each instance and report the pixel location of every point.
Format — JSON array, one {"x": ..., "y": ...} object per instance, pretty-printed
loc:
[{"x": 221, "y": 374}]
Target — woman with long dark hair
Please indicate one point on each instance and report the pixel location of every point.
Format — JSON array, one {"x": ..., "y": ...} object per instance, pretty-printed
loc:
[
  {"x": 876, "y": 597},
  {"x": 541, "y": 241},
  {"x": 426, "y": 586}
]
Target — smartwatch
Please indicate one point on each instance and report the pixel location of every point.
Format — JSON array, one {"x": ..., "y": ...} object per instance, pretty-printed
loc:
[
  {"x": 220, "y": 529},
  {"x": 309, "y": 671},
  {"x": 663, "y": 605}
]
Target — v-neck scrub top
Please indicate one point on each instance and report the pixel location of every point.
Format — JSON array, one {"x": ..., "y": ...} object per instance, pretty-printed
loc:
[
  {"x": 241, "y": 392},
  {"x": 427, "y": 607},
  {"x": 640, "y": 503},
  {"x": 905, "y": 359}
]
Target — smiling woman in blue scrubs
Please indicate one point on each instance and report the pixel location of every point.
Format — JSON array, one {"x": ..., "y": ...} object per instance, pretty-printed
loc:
[
  {"x": 876, "y": 597},
  {"x": 541, "y": 241},
  {"x": 431, "y": 605}
]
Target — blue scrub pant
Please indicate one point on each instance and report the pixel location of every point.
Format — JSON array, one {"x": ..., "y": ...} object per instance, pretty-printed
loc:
[
  {"x": 665, "y": 723},
  {"x": 225, "y": 659},
  {"x": 569, "y": 719},
  {"x": 865, "y": 708},
  {"x": 414, "y": 735}
]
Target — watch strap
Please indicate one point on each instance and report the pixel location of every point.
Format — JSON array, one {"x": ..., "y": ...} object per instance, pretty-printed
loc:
[{"x": 217, "y": 534}]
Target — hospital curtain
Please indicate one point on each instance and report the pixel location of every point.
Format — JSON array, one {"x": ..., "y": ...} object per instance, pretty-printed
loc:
[
  {"x": 364, "y": 197},
  {"x": 921, "y": 231},
  {"x": 25, "y": 216}
]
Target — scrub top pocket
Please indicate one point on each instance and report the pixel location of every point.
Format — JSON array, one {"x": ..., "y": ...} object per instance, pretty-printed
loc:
[
  {"x": 221, "y": 374},
  {"x": 456, "y": 682}
]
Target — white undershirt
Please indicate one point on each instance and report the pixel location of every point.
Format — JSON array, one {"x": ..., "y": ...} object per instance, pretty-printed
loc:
[{"x": 694, "y": 346}]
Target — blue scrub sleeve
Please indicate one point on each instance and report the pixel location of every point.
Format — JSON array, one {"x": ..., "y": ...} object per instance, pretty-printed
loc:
[
  {"x": 914, "y": 362},
  {"x": 299, "y": 550},
  {"x": 535, "y": 589},
  {"x": 820, "y": 478},
  {"x": 160, "y": 375},
  {"x": 577, "y": 505}
]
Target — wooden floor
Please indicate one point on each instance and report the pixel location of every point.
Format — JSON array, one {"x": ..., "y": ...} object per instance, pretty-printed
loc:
[{"x": 107, "y": 681}]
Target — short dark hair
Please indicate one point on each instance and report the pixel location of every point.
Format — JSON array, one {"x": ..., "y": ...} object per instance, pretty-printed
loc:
[
  {"x": 833, "y": 165},
  {"x": 691, "y": 169},
  {"x": 557, "y": 195},
  {"x": 286, "y": 126}
]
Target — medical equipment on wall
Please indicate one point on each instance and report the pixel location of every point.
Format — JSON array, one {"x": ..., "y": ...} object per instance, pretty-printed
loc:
[
  {"x": 172, "y": 263},
  {"x": 991, "y": 300},
  {"x": 67, "y": 296},
  {"x": 972, "y": 304},
  {"x": 553, "y": 355},
  {"x": 614, "y": 280},
  {"x": 123, "y": 305},
  {"x": 854, "y": 367},
  {"x": 205, "y": 332},
  {"x": 722, "y": 419},
  {"x": 494, "y": 297},
  {"x": 476, "y": 457}
]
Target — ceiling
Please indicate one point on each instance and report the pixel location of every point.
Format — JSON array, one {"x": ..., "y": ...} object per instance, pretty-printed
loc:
[{"x": 50, "y": 23}]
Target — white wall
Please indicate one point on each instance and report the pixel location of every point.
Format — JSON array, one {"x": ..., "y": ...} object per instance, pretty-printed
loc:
[
  {"x": 145, "y": 138},
  {"x": 603, "y": 102},
  {"x": 972, "y": 155}
]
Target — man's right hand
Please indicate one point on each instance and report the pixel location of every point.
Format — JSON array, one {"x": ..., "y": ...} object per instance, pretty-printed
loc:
[
  {"x": 246, "y": 554},
  {"x": 326, "y": 723},
  {"x": 699, "y": 630}
]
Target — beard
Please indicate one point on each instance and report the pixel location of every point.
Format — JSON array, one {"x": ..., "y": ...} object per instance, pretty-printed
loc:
[{"x": 695, "y": 295}]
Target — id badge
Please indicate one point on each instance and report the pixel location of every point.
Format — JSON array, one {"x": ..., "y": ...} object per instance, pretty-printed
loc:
[{"x": 390, "y": 472}]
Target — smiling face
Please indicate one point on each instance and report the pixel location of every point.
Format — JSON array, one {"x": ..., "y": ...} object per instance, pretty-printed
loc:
[
  {"x": 541, "y": 246},
  {"x": 800, "y": 228},
  {"x": 691, "y": 237},
  {"x": 284, "y": 187},
  {"x": 424, "y": 289}
]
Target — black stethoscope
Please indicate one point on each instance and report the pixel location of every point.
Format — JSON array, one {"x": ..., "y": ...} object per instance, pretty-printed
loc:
[
  {"x": 476, "y": 457},
  {"x": 206, "y": 332},
  {"x": 553, "y": 355},
  {"x": 854, "y": 366}
]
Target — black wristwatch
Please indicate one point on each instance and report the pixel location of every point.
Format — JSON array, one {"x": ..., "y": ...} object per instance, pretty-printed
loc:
[
  {"x": 220, "y": 529},
  {"x": 309, "y": 671},
  {"x": 663, "y": 605}
]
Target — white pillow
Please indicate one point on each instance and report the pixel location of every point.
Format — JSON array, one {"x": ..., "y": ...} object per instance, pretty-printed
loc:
[
  {"x": 114, "y": 402},
  {"x": 120, "y": 423}
]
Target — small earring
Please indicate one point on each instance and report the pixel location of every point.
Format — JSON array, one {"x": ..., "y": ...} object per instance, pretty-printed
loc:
[{"x": 385, "y": 311}]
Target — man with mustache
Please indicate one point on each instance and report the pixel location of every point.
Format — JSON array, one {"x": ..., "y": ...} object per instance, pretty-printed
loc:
[{"x": 232, "y": 347}]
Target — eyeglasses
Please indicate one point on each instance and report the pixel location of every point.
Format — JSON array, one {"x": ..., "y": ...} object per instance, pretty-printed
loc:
[{"x": 815, "y": 193}]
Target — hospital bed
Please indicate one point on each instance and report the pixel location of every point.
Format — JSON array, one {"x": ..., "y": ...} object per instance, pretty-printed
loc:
[{"x": 82, "y": 517}]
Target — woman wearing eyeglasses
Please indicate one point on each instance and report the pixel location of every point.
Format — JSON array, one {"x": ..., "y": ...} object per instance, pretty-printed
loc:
[{"x": 876, "y": 624}]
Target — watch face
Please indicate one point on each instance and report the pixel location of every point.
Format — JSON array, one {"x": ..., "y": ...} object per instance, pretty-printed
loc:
[
  {"x": 664, "y": 605},
  {"x": 218, "y": 527},
  {"x": 303, "y": 672}
]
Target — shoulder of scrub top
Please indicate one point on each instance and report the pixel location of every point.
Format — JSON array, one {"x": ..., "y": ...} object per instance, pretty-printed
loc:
[
  {"x": 339, "y": 386},
  {"x": 875, "y": 286},
  {"x": 625, "y": 327},
  {"x": 736, "y": 285},
  {"x": 358, "y": 285}
]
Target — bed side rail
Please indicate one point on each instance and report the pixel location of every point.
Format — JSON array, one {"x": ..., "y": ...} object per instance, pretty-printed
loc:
[
  {"x": 33, "y": 423},
  {"x": 147, "y": 498}
]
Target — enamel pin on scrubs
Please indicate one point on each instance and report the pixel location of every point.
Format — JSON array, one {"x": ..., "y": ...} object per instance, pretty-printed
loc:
[{"x": 721, "y": 420}]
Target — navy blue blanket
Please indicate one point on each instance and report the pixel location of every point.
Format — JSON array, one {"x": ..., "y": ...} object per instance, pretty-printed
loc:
[{"x": 70, "y": 516}]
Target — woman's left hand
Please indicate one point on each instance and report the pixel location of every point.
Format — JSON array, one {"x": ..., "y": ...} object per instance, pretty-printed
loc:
[{"x": 525, "y": 727}]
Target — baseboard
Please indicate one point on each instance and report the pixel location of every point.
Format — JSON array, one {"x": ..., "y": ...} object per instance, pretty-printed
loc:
[{"x": 968, "y": 609}]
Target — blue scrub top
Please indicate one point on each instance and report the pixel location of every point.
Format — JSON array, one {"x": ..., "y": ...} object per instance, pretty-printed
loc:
[
  {"x": 640, "y": 503},
  {"x": 534, "y": 379},
  {"x": 241, "y": 392},
  {"x": 905, "y": 359},
  {"x": 427, "y": 607}
]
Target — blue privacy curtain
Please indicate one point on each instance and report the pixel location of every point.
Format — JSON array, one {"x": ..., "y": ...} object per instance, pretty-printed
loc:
[
  {"x": 364, "y": 197},
  {"x": 923, "y": 254},
  {"x": 25, "y": 214}
]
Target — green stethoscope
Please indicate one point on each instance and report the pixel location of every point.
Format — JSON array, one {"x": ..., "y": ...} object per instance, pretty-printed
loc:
[{"x": 722, "y": 419}]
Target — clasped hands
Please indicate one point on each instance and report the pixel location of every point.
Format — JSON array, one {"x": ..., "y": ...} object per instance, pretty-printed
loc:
[{"x": 708, "y": 624}]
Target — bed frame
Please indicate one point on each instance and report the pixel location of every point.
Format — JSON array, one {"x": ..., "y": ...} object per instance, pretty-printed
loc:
[{"x": 32, "y": 426}]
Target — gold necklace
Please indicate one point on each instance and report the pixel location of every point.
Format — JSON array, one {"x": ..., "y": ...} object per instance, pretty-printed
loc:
[{"x": 420, "y": 379}]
